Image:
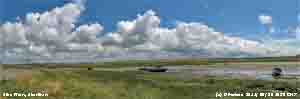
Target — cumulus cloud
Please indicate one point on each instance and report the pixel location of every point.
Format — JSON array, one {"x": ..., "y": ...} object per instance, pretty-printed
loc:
[
  {"x": 88, "y": 33},
  {"x": 145, "y": 33},
  {"x": 13, "y": 35},
  {"x": 54, "y": 35},
  {"x": 48, "y": 33}
]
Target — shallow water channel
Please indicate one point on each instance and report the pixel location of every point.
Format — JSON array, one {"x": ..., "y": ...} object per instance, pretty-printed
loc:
[{"x": 241, "y": 72}]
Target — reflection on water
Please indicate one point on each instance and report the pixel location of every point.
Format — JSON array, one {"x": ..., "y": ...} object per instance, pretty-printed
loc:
[{"x": 264, "y": 77}]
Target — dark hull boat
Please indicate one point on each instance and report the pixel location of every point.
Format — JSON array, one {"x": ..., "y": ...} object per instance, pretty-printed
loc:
[
  {"x": 276, "y": 72},
  {"x": 154, "y": 69}
]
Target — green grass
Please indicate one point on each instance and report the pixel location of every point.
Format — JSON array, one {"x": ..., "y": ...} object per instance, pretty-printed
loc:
[
  {"x": 134, "y": 85},
  {"x": 117, "y": 64}
]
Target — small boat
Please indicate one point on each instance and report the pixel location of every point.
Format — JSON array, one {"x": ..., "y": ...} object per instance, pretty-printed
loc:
[
  {"x": 90, "y": 68},
  {"x": 276, "y": 72},
  {"x": 147, "y": 69}
]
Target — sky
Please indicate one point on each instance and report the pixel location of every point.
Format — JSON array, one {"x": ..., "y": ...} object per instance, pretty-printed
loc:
[{"x": 148, "y": 28}]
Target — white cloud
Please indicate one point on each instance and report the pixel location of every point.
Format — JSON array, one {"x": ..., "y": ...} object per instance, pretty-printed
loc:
[
  {"x": 13, "y": 35},
  {"x": 88, "y": 33},
  {"x": 145, "y": 33},
  {"x": 265, "y": 19},
  {"x": 49, "y": 33}
]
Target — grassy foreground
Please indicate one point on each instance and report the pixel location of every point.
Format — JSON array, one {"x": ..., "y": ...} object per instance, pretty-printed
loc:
[{"x": 134, "y": 85}]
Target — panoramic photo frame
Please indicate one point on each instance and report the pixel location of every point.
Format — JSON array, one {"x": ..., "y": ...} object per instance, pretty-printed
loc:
[{"x": 149, "y": 49}]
